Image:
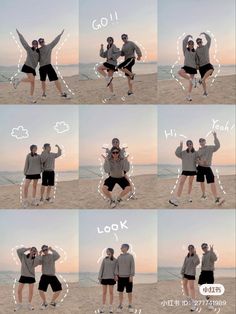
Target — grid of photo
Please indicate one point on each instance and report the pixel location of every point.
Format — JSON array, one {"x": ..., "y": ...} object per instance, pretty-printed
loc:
[{"x": 118, "y": 169}]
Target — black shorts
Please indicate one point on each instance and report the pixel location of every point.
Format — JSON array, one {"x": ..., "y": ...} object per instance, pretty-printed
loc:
[
  {"x": 46, "y": 280},
  {"x": 108, "y": 282},
  {"x": 24, "y": 279},
  {"x": 110, "y": 66},
  {"x": 127, "y": 64},
  {"x": 124, "y": 283},
  {"x": 189, "y": 173},
  {"x": 206, "y": 277},
  {"x": 48, "y": 70},
  {"x": 205, "y": 68},
  {"x": 33, "y": 176},
  {"x": 48, "y": 178},
  {"x": 189, "y": 70},
  {"x": 111, "y": 182},
  {"x": 205, "y": 171},
  {"x": 189, "y": 277},
  {"x": 27, "y": 69}
]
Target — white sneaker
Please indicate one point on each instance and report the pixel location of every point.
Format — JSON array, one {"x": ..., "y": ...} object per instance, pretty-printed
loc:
[
  {"x": 49, "y": 200},
  {"x": 25, "y": 203},
  {"x": 112, "y": 203},
  {"x": 130, "y": 309},
  {"x": 101, "y": 310},
  {"x": 205, "y": 94},
  {"x": 111, "y": 97},
  {"x": 15, "y": 82},
  {"x": 44, "y": 96},
  {"x": 34, "y": 202},
  {"x": 190, "y": 199},
  {"x": 203, "y": 197},
  {"x": 174, "y": 202},
  {"x": 193, "y": 307},
  {"x": 119, "y": 309},
  {"x": 30, "y": 307},
  {"x": 43, "y": 306},
  {"x": 189, "y": 98},
  {"x": 210, "y": 307},
  {"x": 111, "y": 309},
  {"x": 18, "y": 307}
]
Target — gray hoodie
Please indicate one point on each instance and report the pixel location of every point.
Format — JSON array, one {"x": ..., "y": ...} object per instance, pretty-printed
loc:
[
  {"x": 190, "y": 57},
  {"x": 48, "y": 263},
  {"x": 46, "y": 51},
  {"x": 128, "y": 50},
  {"x": 190, "y": 265},
  {"x": 188, "y": 159},
  {"x": 125, "y": 266},
  {"x": 208, "y": 261},
  {"x": 32, "y": 165},
  {"x": 32, "y": 58},
  {"x": 203, "y": 52},
  {"x": 112, "y": 54},
  {"x": 27, "y": 264},
  {"x": 48, "y": 160},
  {"x": 205, "y": 153},
  {"x": 107, "y": 269},
  {"x": 116, "y": 168}
]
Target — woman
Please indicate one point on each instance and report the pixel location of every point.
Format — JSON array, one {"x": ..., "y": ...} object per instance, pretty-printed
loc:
[
  {"x": 32, "y": 171},
  {"x": 108, "y": 68},
  {"x": 188, "y": 272},
  {"x": 116, "y": 167},
  {"x": 107, "y": 278},
  {"x": 29, "y": 66},
  {"x": 190, "y": 64},
  {"x": 189, "y": 160},
  {"x": 28, "y": 263}
]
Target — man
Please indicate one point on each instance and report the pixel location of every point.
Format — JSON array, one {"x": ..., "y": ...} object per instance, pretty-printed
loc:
[
  {"x": 128, "y": 51},
  {"x": 116, "y": 167},
  {"x": 48, "y": 276},
  {"x": 207, "y": 269},
  {"x": 204, "y": 161},
  {"x": 46, "y": 68},
  {"x": 205, "y": 67},
  {"x": 48, "y": 175},
  {"x": 125, "y": 271}
]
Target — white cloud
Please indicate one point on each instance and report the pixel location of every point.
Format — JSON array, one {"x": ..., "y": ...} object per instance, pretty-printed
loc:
[
  {"x": 20, "y": 132},
  {"x": 61, "y": 127}
]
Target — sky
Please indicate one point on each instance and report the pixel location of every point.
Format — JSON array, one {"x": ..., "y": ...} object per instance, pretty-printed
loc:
[
  {"x": 141, "y": 234},
  {"x": 35, "y": 19},
  {"x": 36, "y": 228},
  {"x": 137, "y": 18},
  {"x": 134, "y": 125},
  {"x": 195, "y": 122},
  {"x": 39, "y": 124},
  {"x": 193, "y": 17},
  {"x": 195, "y": 227}
]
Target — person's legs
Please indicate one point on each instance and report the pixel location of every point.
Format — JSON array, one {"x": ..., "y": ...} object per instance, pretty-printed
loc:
[
  {"x": 102, "y": 70},
  {"x": 181, "y": 185},
  {"x": 205, "y": 77},
  {"x": 42, "y": 191},
  {"x": 104, "y": 294},
  {"x": 55, "y": 296},
  {"x": 26, "y": 188},
  {"x": 49, "y": 188},
  {"x": 35, "y": 182},
  {"x": 110, "y": 75},
  {"x": 43, "y": 87},
  {"x": 58, "y": 86},
  {"x": 130, "y": 298},
  {"x": 203, "y": 188},
  {"x": 111, "y": 289},
  {"x": 106, "y": 192},
  {"x": 191, "y": 289},
  {"x": 213, "y": 189},
  {"x": 190, "y": 87},
  {"x": 19, "y": 292},
  {"x": 126, "y": 190},
  {"x": 121, "y": 297},
  {"x": 185, "y": 287},
  {"x": 130, "y": 84},
  {"x": 190, "y": 185},
  {"x": 31, "y": 292},
  {"x": 29, "y": 79},
  {"x": 42, "y": 296},
  {"x": 183, "y": 74}
]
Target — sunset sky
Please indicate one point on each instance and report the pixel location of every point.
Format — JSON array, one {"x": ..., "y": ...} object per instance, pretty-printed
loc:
[
  {"x": 193, "y": 17},
  {"x": 37, "y": 228},
  {"x": 141, "y": 234},
  {"x": 195, "y": 122},
  {"x": 195, "y": 227},
  {"x": 35, "y": 19},
  {"x": 136, "y": 18},
  {"x": 39, "y": 122}
]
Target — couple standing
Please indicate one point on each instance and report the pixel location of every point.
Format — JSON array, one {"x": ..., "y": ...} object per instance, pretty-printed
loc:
[
  {"x": 188, "y": 272},
  {"x": 30, "y": 258},
  {"x": 196, "y": 59},
  {"x": 112, "y": 53},
  {"x": 197, "y": 163},
  {"x": 120, "y": 271},
  {"x": 42, "y": 56},
  {"x": 36, "y": 164}
]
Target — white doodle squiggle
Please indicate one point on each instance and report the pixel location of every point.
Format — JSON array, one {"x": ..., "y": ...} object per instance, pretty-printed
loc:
[
  {"x": 19, "y": 60},
  {"x": 176, "y": 182}
]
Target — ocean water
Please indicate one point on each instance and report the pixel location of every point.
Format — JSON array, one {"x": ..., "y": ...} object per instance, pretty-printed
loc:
[
  {"x": 8, "y": 277},
  {"x": 91, "y": 279},
  {"x": 173, "y": 273},
  {"x": 171, "y": 171},
  {"x": 93, "y": 172},
  {"x": 17, "y": 176},
  {"x": 164, "y": 71}
]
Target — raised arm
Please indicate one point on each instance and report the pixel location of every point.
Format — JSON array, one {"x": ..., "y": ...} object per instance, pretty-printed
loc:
[
  {"x": 185, "y": 42},
  {"x": 23, "y": 41},
  {"x": 56, "y": 40},
  {"x": 216, "y": 142},
  {"x": 55, "y": 254},
  {"x": 20, "y": 252},
  {"x": 59, "y": 152},
  {"x": 208, "y": 39},
  {"x": 103, "y": 53},
  {"x": 179, "y": 150}
]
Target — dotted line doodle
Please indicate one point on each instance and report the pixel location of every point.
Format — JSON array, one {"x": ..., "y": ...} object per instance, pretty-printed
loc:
[
  {"x": 19, "y": 60},
  {"x": 219, "y": 181},
  {"x": 176, "y": 182},
  {"x": 57, "y": 68},
  {"x": 67, "y": 289},
  {"x": 101, "y": 180},
  {"x": 132, "y": 194},
  {"x": 177, "y": 62},
  {"x": 65, "y": 256},
  {"x": 215, "y": 58}
]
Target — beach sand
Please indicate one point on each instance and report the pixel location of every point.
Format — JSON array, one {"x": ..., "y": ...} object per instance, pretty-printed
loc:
[
  {"x": 144, "y": 298},
  {"x": 9, "y": 95},
  {"x": 171, "y": 290},
  {"x": 222, "y": 92},
  {"x": 151, "y": 193},
  {"x": 69, "y": 305},
  {"x": 94, "y": 91}
]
